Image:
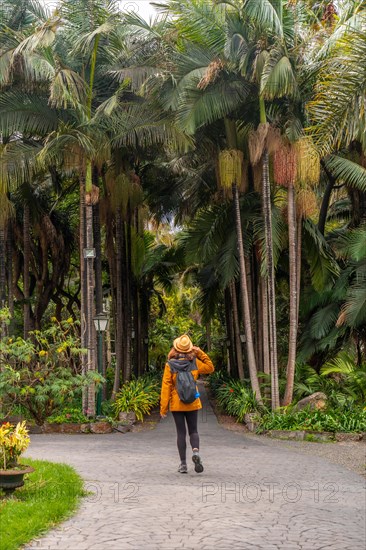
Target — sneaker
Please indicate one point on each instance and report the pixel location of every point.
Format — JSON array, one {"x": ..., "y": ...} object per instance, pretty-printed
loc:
[
  {"x": 183, "y": 469},
  {"x": 198, "y": 466}
]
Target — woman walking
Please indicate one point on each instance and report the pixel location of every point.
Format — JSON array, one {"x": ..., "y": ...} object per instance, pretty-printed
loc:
[{"x": 185, "y": 363}]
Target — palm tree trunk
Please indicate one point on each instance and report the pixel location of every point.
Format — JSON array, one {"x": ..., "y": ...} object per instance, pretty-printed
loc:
[
  {"x": 83, "y": 284},
  {"x": 119, "y": 306},
  {"x": 3, "y": 329},
  {"x": 230, "y": 342},
  {"x": 128, "y": 299},
  {"x": 265, "y": 335},
  {"x": 26, "y": 278},
  {"x": 293, "y": 297},
  {"x": 298, "y": 265},
  {"x": 326, "y": 198},
  {"x": 2, "y": 266},
  {"x": 245, "y": 300},
  {"x": 97, "y": 260},
  {"x": 271, "y": 281},
  {"x": 9, "y": 256},
  {"x": 238, "y": 348},
  {"x": 91, "y": 337}
]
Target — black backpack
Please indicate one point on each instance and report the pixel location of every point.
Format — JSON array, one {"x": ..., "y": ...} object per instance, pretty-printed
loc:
[{"x": 185, "y": 383}]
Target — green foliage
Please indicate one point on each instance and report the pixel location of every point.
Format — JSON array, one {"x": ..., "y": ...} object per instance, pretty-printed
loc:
[
  {"x": 332, "y": 420},
  {"x": 50, "y": 494},
  {"x": 68, "y": 415},
  {"x": 40, "y": 374},
  {"x": 181, "y": 316},
  {"x": 234, "y": 396},
  {"x": 138, "y": 396},
  {"x": 342, "y": 381}
]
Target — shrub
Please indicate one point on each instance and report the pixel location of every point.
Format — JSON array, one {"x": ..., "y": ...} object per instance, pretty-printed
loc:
[
  {"x": 68, "y": 415},
  {"x": 332, "y": 420},
  {"x": 138, "y": 396},
  {"x": 41, "y": 373},
  {"x": 236, "y": 398}
]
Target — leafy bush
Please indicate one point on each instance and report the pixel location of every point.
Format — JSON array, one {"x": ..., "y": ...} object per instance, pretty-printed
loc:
[
  {"x": 234, "y": 396},
  {"x": 342, "y": 381},
  {"x": 332, "y": 420},
  {"x": 138, "y": 396},
  {"x": 41, "y": 374},
  {"x": 216, "y": 379},
  {"x": 68, "y": 415}
]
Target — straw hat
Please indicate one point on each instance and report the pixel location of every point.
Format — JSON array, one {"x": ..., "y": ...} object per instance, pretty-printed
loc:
[{"x": 183, "y": 344}]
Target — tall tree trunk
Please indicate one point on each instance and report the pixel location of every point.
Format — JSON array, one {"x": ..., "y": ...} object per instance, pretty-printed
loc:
[
  {"x": 119, "y": 306},
  {"x": 26, "y": 277},
  {"x": 271, "y": 281},
  {"x": 128, "y": 299},
  {"x": 245, "y": 300},
  {"x": 298, "y": 265},
  {"x": 3, "y": 328},
  {"x": 293, "y": 297},
  {"x": 83, "y": 285},
  {"x": 144, "y": 316},
  {"x": 265, "y": 332},
  {"x": 91, "y": 341},
  {"x": 257, "y": 311},
  {"x": 9, "y": 261},
  {"x": 231, "y": 138},
  {"x": 97, "y": 260},
  {"x": 238, "y": 344},
  {"x": 2, "y": 265},
  {"x": 230, "y": 342},
  {"x": 326, "y": 199}
]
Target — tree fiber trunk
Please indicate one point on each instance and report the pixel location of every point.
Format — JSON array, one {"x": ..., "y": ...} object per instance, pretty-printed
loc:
[
  {"x": 271, "y": 281},
  {"x": 293, "y": 297},
  {"x": 245, "y": 300}
]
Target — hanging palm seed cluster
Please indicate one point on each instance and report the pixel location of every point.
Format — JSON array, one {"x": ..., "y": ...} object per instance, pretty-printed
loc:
[
  {"x": 212, "y": 72},
  {"x": 308, "y": 162},
  {"x": 306, "y": 203},
  {"x": 230, "y": 169},
  {"x": 285, "y": 165},
  {"x": 308, "y": 174}
]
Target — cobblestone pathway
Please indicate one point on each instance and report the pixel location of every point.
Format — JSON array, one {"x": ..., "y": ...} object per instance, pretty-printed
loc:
[{"x": 250, "y": 495}]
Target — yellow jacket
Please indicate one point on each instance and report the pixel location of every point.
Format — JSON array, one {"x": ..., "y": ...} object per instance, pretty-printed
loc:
[{"x": 169, "y": 397}]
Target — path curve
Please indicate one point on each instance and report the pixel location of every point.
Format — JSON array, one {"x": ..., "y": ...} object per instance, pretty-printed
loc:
[{"x": 251, "y": 496}]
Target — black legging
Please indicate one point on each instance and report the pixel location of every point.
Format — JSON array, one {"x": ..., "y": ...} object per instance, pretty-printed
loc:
[{"x": 180, "y": 419}]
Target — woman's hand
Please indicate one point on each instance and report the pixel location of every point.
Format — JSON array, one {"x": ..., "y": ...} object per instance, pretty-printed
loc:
[
  {"x": 163, "y": 416},
  {"x": 196, "y": 349}
]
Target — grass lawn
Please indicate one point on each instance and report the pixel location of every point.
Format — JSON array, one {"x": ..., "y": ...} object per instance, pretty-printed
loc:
[{"x": 50, "y": 494}]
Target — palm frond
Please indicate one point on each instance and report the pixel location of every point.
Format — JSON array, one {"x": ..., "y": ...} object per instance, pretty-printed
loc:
[
  {"x": 264, "y": 15},
  {"x": 25, "y": 113},
  {"x": 199, "y": 108},
  {"x": 278, "y": 78},
  {"x": 68, "y": 88},
  {"x": 347, "y": 171},
  {"x": 323, "y": 267}
]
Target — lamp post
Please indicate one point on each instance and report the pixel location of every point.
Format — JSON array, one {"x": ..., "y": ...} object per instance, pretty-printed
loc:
[{"x": 101, "y": 323}]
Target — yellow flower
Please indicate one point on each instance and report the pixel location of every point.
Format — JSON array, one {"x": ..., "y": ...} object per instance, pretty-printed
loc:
[
  {"x": 70, "y": 320},
  {"x": 10, "y": 340},
  {"x": 53, "y": 319},
  {"x": 42, "y": 353},
  {"x": 60, "y": 350}
]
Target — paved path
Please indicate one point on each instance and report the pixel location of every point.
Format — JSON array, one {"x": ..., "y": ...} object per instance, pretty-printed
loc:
[{"x": 250, "y": 495}]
